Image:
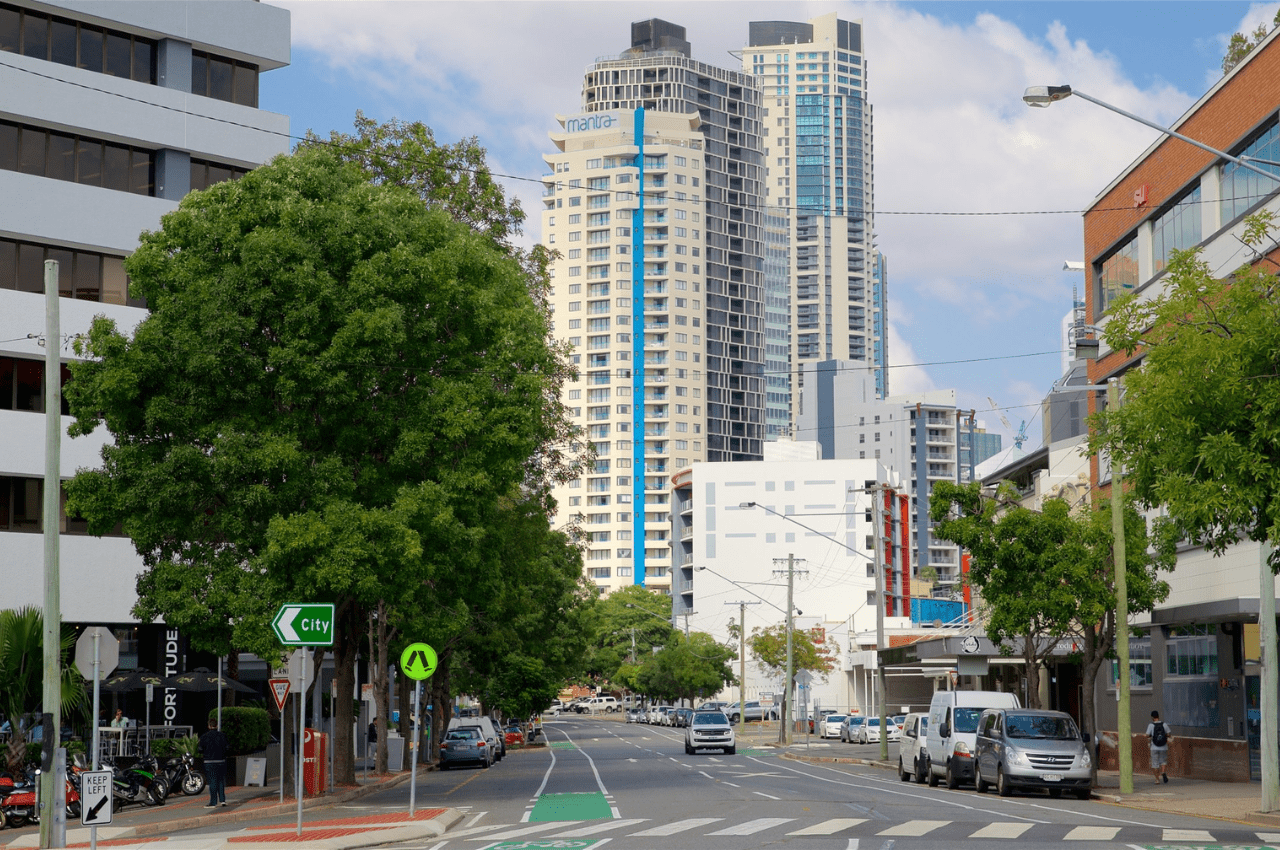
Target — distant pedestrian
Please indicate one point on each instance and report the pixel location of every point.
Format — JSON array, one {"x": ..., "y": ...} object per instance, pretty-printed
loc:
[
  {"x": 214, "y": 746},
  {"x": 1158, "y": 732}
]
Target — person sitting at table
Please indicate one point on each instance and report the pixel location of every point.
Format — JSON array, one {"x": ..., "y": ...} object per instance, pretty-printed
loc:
[{"x": 120, "y": 721}]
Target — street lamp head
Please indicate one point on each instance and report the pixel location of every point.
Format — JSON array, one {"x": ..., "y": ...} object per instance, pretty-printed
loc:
[
  {"x": 1042, "y": 96},
  {"x": 700, "y": 567},
  {"x": 745, "y": 505}
]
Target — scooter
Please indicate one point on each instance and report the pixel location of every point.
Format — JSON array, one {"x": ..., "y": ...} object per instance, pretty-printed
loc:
[{"x": 18, "y": 800}]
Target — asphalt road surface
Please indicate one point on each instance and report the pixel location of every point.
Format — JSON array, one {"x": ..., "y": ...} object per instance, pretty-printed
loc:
[{"x": 605, "y": 784}]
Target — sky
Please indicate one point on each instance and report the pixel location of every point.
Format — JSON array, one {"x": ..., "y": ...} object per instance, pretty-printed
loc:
[{"x": 978, "y": 198}]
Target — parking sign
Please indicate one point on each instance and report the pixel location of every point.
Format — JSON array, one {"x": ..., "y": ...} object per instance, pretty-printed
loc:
[{"x": 95, "y": 797}]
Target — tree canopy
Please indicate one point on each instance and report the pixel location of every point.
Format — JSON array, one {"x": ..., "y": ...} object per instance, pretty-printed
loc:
[{"x": 340, "y": 394}]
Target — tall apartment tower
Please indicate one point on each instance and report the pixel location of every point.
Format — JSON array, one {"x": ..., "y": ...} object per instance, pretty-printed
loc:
[
  {"x": 112, "y": 111},
  {"x": 819, "y": 160},
  {"x": 654, "y": 201}
]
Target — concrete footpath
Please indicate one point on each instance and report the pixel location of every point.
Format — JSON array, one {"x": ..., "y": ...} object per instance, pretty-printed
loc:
[{"x": 252, "y": 819}]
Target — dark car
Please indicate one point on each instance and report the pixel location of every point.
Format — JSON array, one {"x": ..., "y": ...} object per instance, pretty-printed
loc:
[
  {"x": 682, "y": 717},
  {"x": 465, "y": 746}
]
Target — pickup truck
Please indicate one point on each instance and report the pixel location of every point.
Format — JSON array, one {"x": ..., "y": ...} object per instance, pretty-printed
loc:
[{"x": 751, "y": 711}]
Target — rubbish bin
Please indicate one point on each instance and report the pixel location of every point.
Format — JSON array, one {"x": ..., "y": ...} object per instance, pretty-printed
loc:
[
  {"x": 395, "y": 752},
  {"x": 315, "y": 762}
]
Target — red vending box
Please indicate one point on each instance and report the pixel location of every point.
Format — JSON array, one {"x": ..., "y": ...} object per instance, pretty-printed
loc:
[{"x": 315, "y": 762}]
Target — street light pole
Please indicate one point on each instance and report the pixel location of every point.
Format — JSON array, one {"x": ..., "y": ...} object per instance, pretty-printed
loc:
[
  {"x": 742, "y": 663},
  {"x": 1124, "y": 728},
  {"x": 784, "y": 732}
]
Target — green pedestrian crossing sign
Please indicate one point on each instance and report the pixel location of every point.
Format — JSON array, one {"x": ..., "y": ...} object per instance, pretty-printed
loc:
[{"x": 418, "y": 661}]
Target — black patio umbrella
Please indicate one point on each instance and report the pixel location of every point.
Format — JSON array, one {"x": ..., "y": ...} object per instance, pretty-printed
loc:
[
  {"x": 124, "y": 681},
  {"x": 204, "y": 680}
]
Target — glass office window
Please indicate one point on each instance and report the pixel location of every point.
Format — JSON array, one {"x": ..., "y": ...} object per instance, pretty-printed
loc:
[
  {"x": 1178, "y": 227},
  {"x": 1116, "y": 274}
]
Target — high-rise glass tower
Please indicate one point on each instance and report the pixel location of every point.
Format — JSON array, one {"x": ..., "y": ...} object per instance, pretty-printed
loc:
[
  {"x": 819, "y": 158},
  {"x": 654, "y": 200}
]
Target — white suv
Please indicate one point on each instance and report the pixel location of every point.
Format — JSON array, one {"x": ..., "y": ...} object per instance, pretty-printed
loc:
[
  {"x": 603, "y": 704},
  {"x": 709, "y": 729}
]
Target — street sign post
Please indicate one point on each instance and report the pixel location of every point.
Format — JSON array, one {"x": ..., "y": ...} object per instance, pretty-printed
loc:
[
  {"x": 95, "y": 802},
  {"x": 280, "y": 691},
  {"x": 97, "y": 654},
  {"x": 418, "y": 662},
  {"x": 304, "y": 624}
]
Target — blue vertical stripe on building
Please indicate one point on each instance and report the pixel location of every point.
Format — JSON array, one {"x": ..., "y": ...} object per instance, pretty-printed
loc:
[{"x": 637, "y": 362}]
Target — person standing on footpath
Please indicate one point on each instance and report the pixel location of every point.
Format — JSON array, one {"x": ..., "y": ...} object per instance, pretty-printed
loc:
[
  {"x": 1158, "y": 732},
  {"x": 214, "y": 746}
]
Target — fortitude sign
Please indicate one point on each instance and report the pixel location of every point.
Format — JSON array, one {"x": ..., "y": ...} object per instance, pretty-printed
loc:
[{"x": 304, "y": 624}]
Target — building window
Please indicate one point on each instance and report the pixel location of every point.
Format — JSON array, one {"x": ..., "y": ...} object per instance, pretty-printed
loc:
[
  {"x": 1140, "y": 667},
  {"x": 103, "y": 51},
  {"x": 1192, "y": 650},
  {"x": 82, "y": 275},
  {"x": 1116, "y": 274},
  {"x": 224, "y": 79},
  {"x": 76, "y": 159},
  {"x": 1240, "y": 188},
  {"x": 1177, "y": 227},
  {"x": 206, "y": 174}
]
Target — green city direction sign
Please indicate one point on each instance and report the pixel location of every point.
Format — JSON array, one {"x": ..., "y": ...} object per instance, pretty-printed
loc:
[
  {"x": 304, "y": 624},
  {"x": 418, "y": 661}
]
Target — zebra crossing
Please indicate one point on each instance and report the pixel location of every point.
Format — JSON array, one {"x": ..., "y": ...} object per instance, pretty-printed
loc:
[{"x": 991, "y": 833}]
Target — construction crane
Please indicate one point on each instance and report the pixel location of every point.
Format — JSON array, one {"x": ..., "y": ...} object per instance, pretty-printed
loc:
[{"x": 1020, "y": 435}]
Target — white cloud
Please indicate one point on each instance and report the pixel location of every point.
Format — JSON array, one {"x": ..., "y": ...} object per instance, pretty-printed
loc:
[{"x": 951, "y": 135}]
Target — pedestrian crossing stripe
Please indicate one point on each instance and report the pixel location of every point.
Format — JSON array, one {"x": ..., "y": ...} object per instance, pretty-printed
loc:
[{"x": 997, "y": 831}]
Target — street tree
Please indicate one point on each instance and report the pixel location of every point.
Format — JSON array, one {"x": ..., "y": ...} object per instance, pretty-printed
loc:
[
  {"x": 631, "y": 613},
  {"x": 688, "y": 668},
  {"x": 809, "y": 651},
  {"x": 1049, "y": 575},
  {"x": 333, "y": 389},
  {"x": 1197, "y": 432}
]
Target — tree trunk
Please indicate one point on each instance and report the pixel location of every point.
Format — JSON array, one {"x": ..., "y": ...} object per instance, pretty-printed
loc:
[
  {"x": 232, "y": 671},
  {"x": 1096, "y": 642},
  {"x": 404, "y": 704},
  {"x": 378, "y": 666},
  {"x": 1032, "y": 664},
  {"x": 345, "y": 648}
]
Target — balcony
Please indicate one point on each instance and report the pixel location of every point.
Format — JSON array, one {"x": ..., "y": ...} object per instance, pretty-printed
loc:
[
  {"x": 686, "y": 534},
  {"x": 656, "y": 431}
]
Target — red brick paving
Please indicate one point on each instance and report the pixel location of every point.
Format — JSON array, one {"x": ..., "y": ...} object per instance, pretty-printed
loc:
[{"x": 307, "y": 835}]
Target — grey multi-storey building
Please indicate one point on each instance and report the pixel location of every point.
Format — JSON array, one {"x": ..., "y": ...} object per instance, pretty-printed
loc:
[
  {"x": 820, "y": 165},
  {"x": 655, "y": 202}
]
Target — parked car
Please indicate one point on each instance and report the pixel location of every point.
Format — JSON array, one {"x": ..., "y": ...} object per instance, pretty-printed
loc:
[
  {"x": 849, "y": 728},
  {"x": 831, "y": 725},
  {"x": 709, "y": 729},
  {"x": 668, "y": 716},
  {"x": 512, "y": 734},
  {"x": 913, "y": 757},
  {"x": 1022, "y": 748},
  {"x": 636, "y": 715},
  {"x": 595, "y": 705},
  {"x": 681, "y": 717},
  {"x": 869, "y": 731},
  {"x": 488, "y": 729},
  {"x": 657, "y": 713},
  {"x": 465, "y": 746},
  {"x": 953, "y": 731},
  {"x": 715, "y": 705},
  {"x": 752, "y": 711}
]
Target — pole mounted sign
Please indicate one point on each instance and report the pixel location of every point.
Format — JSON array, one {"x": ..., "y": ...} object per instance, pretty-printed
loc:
[
  {"x": 418, "y": 661},
  {"x": 304, "y": 624}
]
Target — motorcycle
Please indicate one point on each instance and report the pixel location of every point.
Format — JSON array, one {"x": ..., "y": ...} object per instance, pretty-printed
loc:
[
  {"x": 181, "y": 774},
  {"x": 18, "y": 799},
  {"x": 142, "y": 783}
]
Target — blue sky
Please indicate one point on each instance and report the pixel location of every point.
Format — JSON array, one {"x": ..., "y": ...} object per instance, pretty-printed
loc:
[{"x": 952, "y": 135}]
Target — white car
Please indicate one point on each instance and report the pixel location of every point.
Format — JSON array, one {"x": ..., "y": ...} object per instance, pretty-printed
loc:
[
  {"x": 913, "y": 758},
  {"x": 869, "y": 731},
  {"x": 709, "y": 729},
  {"x": 830, "y": 727}
]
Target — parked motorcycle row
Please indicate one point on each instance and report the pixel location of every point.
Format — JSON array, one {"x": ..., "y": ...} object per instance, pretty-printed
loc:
[{"x": 143, "y": 782}]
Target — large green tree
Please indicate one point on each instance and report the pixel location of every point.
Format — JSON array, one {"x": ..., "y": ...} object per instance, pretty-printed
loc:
[
  {"x": 1049, "y": 575},
  {"x": 334, "y": 389},
  {"x": 809, "y": 651},
  {"x": 687, "y": 668},
  {"x": 626, "y": 626}
]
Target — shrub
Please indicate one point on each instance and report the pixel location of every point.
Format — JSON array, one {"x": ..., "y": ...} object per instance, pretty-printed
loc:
[{"x": 248, "y": 730}]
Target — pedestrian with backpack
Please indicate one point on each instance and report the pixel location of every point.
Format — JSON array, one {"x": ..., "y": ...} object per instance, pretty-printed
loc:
[{"x": 1158, "y": 732}]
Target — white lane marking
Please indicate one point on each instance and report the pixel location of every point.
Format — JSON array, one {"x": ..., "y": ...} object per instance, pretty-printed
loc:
[
  {"x": 1188, "y": 835},
  {"x": 1268, "y": 836},
  {"x": 770, "y": 796},
  {"x": 853, "y": 844},
  {"x": 730, "y": 784},
  {"x": 708, "y": 775},
  {"x": 528, "y": 813},
  {"x": 914, "y": 828},
  {"x": 1001, "y": 830},
  {"x": 476, "y": 819},
  {"x": 674, "y": 827},
  {"x": 476, "y": 830},
  {"x": 1092, "y": 833},
  {"x": 829, "y": 827},
  {"x": 751, "y": 827},
  {"x": 599, "y": 781},
  {"x": 599, "y": 827},
  {"x": 527, "y": 830}
]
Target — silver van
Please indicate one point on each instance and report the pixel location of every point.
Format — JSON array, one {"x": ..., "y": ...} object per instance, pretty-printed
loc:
[{"x": 1025, "y": 748}]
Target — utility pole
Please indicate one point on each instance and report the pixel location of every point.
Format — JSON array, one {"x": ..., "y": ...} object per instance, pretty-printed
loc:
[
  {"x": 877, "y": 494},
  {"x": 1124, "y": 730},
  {"x": 784, "y": 732},
  {"x": 53, "y": 824},
  {"x": 742, "y": 663}
]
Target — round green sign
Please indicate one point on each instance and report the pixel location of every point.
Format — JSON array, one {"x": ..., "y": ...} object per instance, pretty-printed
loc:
[{"x": 418, "y": 661}]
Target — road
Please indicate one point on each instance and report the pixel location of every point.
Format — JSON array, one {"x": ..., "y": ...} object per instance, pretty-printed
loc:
[{"x": 603, "y": 783}]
